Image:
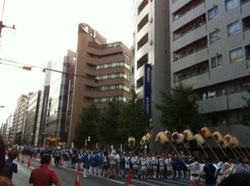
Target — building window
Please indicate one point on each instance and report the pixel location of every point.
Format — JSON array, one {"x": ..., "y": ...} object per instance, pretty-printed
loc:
[
  {"x": 113, "y": 65},
  {"x": 174, "y": 1},
  {"x": 236, "y": 55},
  {"x": 244, "y": 1},
  {"x": 246, "y": 23},
  {"x": 230, "y": 4},
  {"x": 216, "y": 61},
  {"x": 233, "y": 28},
  {"x": 213, "y": 12},
  {"x": 214, "y": 36}
]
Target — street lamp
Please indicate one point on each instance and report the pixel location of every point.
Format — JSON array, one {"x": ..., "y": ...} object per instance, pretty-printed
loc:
[
  {"x": 86, "y": 142},
  {"x": 31, "y": 141}
]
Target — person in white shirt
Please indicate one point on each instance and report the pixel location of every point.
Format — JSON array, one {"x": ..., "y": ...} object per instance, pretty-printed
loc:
[
  {"x": 143, "y": 166},
  {"x": 117, "y": 163},
  {"x": 169, "y": 166},
  {"x": 135, "y": 165},
  {"x": 149, "y": 166},
  {"x": 154, "y": 163},
  {"x": 161, "y": 160},
  {"x": 127, "y": 163},
  {"x": 195, "y": 169},
  {"x": 113, "y": 163}
]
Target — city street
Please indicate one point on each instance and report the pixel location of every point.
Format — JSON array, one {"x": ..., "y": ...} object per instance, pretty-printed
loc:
[{"x": 68, "y": 175}]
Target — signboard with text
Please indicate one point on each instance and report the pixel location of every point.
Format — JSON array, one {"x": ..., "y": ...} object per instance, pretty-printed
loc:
[{"x": 147, "y": 88}]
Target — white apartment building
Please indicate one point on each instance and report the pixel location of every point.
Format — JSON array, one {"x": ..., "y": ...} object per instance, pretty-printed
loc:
[
  {"x": 210, "y": 50},
  {"x": 202, "y": 43},
  {"x": 150, "y": 72}
]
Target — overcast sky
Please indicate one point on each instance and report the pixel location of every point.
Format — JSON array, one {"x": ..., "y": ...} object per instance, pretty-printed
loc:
[{"x": 45, "y": 30}]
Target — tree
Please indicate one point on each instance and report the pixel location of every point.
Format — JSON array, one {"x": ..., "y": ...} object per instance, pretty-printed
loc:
[
  {"x": 179, "y": 110},
  {"x": 18, "y": 140},
  {"x": 133, "y": 120},
  {"x": 107, "y": 126},
  {"x": 24, "y": 140},
  {"x": 113, "y": 124},
  {"x": 87, "y": 126}
]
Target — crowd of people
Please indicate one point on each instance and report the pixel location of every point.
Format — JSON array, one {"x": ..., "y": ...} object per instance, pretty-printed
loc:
[{"x": 113, "y": 163}]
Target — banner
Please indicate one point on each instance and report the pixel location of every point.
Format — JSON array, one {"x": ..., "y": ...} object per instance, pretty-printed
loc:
[{"x": 147, "y": 88}]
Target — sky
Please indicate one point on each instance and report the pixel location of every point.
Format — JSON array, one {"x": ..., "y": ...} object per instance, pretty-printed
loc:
[{"x": 45, "y": 30}]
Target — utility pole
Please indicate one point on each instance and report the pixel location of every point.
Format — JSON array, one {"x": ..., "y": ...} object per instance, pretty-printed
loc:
[
  {"x": 4, "y": 26},
  {"x": 1, "y": 22}
]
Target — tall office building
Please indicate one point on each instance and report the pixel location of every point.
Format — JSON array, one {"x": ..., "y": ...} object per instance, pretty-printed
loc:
[
  {"x": 9, "y": 131},
  {"x": 210, "y": 50},
  {"x": 203, "y": 43},
  {"x": 53, "y": 116},
  {"x": 19, "y": 117},
  {"x": 150, "y": 71},
  {"x": 6, "y": 130},
  {"x": 31, "y": 132},
  {"x": 102, "y": 74}
]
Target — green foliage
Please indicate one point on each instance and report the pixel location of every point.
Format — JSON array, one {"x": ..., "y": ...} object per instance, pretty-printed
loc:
[
  {"x": 87, "y": 126},
  {"x": 179, "y": 110},
  {"x": 113, "y": 124},
  {"x": 133, "y": 120},
  {"x": 108, "y": 125},
  {"x": 24, "y": 141},
  {"x": 17, "y": 140}
]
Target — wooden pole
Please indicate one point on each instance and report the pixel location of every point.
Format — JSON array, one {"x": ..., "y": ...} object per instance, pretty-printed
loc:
[
  {"x": 244, "y": 148},
  {"x": 187, "y": 148},
  {"x": 199, "y": 143},
  {"x": 233, "y": 152},
  {"x": 210, "y": 148},
  {"x": 220, "y": 147},
  {"x": 176, "y": 151}
]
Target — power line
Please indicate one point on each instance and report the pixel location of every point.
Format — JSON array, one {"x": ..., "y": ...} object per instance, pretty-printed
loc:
[{"x": 29, "y": 67}]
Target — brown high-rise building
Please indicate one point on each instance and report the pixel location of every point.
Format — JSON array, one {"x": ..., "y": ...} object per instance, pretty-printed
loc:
[
  {"x": 102, "y": 74},
  {"x": 19, "y": 117}
]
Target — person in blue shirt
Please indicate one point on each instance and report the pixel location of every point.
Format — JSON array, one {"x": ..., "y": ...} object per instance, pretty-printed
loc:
[
  {"x": 93, "y": 163},
  {"x": 65, "y": 156},
  {"x": 209, "y": 170},
  {"x": 98, "y": 157},
  {"x": 86, "y": 163},
  {"x": 122, "y": 164}
]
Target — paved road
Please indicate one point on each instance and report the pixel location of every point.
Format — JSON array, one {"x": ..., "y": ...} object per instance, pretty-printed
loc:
[{"x": 67, "y": 177}]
